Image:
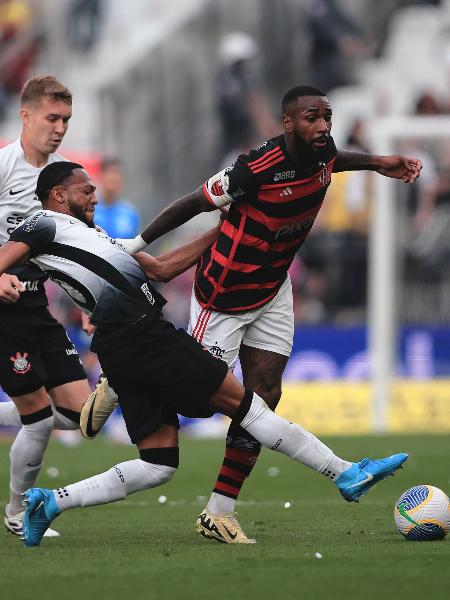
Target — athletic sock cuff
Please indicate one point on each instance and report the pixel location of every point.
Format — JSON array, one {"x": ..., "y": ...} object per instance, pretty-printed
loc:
[
  {"x": 244, "y": 407},
  {"x": 169, "y": 457},
  {"x": 73, "y": 415},
  {"x": 37, "y": 416}
]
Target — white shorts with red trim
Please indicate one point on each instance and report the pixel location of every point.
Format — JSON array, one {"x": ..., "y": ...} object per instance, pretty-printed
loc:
[{"x": 270, "y": 327}]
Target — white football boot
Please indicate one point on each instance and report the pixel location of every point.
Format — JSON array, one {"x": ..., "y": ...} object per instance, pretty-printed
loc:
[
  {"x": 13, "y": 524},
  {"x": 97, "y": 408},
  {"x": 223, "y": 528}
]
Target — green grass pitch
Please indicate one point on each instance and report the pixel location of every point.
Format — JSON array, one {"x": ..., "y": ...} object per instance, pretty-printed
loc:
[{"x": 139, "y": 548}]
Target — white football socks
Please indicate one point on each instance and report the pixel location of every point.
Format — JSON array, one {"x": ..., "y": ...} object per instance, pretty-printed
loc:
[
  {"x": 289, "y": 438},
  {"x": 220, "y": 505},
  {"x": 116, "y": 484},
  {"x": 27, "y": 453},
  {"x": 10, "y": 417}
]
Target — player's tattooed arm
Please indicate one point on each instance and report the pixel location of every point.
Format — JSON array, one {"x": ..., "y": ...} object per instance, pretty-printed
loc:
[
  {"x": 177, "y": 213},
  {"x": 395, "y": 166},
  {"x": 11, "y": 254},
  {"x": 167, "y": 266},
  {"x": 172, "y": 216}
]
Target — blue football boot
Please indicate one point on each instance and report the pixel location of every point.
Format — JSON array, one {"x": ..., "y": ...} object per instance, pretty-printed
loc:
[
  {"x": 360, "y": 477},
  {"x": 40, "y": 510}
]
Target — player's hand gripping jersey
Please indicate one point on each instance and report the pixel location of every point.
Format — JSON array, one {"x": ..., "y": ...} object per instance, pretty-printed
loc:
[{"x": 273, "y": 205}]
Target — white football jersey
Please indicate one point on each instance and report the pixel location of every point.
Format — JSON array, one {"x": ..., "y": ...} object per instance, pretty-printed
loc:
[
  {"x": 18, "y": 201},
  {"x": 18, "y": 180},
  {"x": 99, "y": 275}
]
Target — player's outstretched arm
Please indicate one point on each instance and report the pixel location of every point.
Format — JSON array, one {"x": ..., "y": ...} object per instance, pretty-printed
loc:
[
  {"x": 167, "y": 266},
  {"x": 174, "y": 215},
  {"x": 11, "y": 254},
  {"x": 395, "y": 166}
]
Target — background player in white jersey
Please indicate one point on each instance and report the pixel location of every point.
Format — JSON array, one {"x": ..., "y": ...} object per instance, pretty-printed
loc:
[
  {"x": 179, "y": 375},
  {"x": 39, "y": 366},
  {"x": 242, "y": 298}
]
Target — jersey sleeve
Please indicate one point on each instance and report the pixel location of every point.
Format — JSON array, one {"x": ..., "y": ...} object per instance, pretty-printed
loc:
[
  {"x": 38, "y": 231},
  {"x": 233, "y": 184}
]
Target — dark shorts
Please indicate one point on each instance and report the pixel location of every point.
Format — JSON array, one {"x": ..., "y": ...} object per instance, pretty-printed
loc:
[
  {"x": 158, "y": 371},
  {"x": 35, "y": 351}
]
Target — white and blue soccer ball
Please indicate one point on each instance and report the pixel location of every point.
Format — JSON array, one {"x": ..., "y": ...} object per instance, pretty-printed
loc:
[{"x": 423, "y": 513}]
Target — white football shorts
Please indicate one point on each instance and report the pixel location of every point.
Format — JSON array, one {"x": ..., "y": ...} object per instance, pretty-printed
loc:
[{"x": 270, "y": 327}]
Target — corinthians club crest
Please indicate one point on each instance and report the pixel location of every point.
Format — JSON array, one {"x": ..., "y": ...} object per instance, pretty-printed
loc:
[{"x": 21, "y": 364}]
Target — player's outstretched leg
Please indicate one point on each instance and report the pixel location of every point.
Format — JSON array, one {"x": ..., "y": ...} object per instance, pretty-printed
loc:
[
  {"x": 352, "y": 479},
  {"x": 157, "y": 466},
  {"x": 97, "y": 408}
]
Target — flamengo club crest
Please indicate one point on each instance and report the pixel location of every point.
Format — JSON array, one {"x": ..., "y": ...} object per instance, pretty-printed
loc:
[
  {"x": 21, "y": 363},
  {"x": 216, "y": 351},
  {"x": 325, "y": 176}
]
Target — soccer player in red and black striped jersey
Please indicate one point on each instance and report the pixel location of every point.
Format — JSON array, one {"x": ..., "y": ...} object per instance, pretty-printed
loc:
[{"x": 242, "y": 297}]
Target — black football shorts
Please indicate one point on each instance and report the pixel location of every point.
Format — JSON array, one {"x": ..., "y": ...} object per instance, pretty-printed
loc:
[
  {"x": 158, "y": 372},
  {"x": 35, "y": 351}
]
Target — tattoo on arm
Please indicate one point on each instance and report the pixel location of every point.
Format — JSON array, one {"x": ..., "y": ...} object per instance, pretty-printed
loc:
[{"x": 353, "y": 161}]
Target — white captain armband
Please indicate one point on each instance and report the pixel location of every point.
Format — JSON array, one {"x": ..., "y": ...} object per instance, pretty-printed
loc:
[{"x": 216, "y": 189}]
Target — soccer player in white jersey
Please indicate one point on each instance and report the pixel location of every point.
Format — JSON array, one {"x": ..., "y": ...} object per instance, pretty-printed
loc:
[
  {"x": 180, "y": 376},
  {"x": 39, "y": 366}
]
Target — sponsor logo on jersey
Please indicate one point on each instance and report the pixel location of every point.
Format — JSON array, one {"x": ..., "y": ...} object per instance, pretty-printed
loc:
[
  {"x": 284, "y": 175},
  {"x": 21, "y": 364},
  {"x": 148, "y": 294},
  {"x": 237, "y": 193},
  {"x": 286, "y": 192},
  {"x": 15, "y": 192},
  {"x": 295, "y": 227},
  {"x": 277, "y": 444},
  {"x": 14, "y": 219},
  {"x": 31, "y": 225},
  {"x": 30, "y": 286},
  {"x": 70, "y": 351}
]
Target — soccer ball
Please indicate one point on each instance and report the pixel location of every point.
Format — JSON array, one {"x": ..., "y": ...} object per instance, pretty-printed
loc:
[{"x": 423, "y": 513}]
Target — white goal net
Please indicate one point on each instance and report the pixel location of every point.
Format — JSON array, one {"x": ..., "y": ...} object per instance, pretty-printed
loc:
[{"x": 409, "y": 273}]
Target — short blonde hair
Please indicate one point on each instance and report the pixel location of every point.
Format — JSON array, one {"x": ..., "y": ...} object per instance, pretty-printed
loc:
[{"x": 42, "y": 86}]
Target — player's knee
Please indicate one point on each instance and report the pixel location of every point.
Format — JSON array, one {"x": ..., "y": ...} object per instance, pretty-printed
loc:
[
  {"x": 163, "y": 461},
  {"x": 38, "y": 424},
  {"x": 271, "y": 393}
]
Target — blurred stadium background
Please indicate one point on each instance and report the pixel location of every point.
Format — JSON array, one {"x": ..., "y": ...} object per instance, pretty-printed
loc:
[{"x": 175, "y": 89}]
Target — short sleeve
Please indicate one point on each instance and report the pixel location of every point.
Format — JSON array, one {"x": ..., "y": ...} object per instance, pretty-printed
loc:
[
  {"x": 235, "y": 183},
  {"x": 38, "y": 231}
]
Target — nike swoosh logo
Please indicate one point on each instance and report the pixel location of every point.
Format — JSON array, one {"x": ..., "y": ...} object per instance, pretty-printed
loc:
[
  {"x": 366, "y": 480},
  {"x": 89, "y": 429},
  {"x": 41, "y": 503},
  {"x": 232, "y": 536},
  {"x": 11, "y": 193},
  {"x": 31, "y": 465}
]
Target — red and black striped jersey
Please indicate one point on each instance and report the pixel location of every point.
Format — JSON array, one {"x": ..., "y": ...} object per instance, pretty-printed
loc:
[{"x": 273, "y": 204}]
